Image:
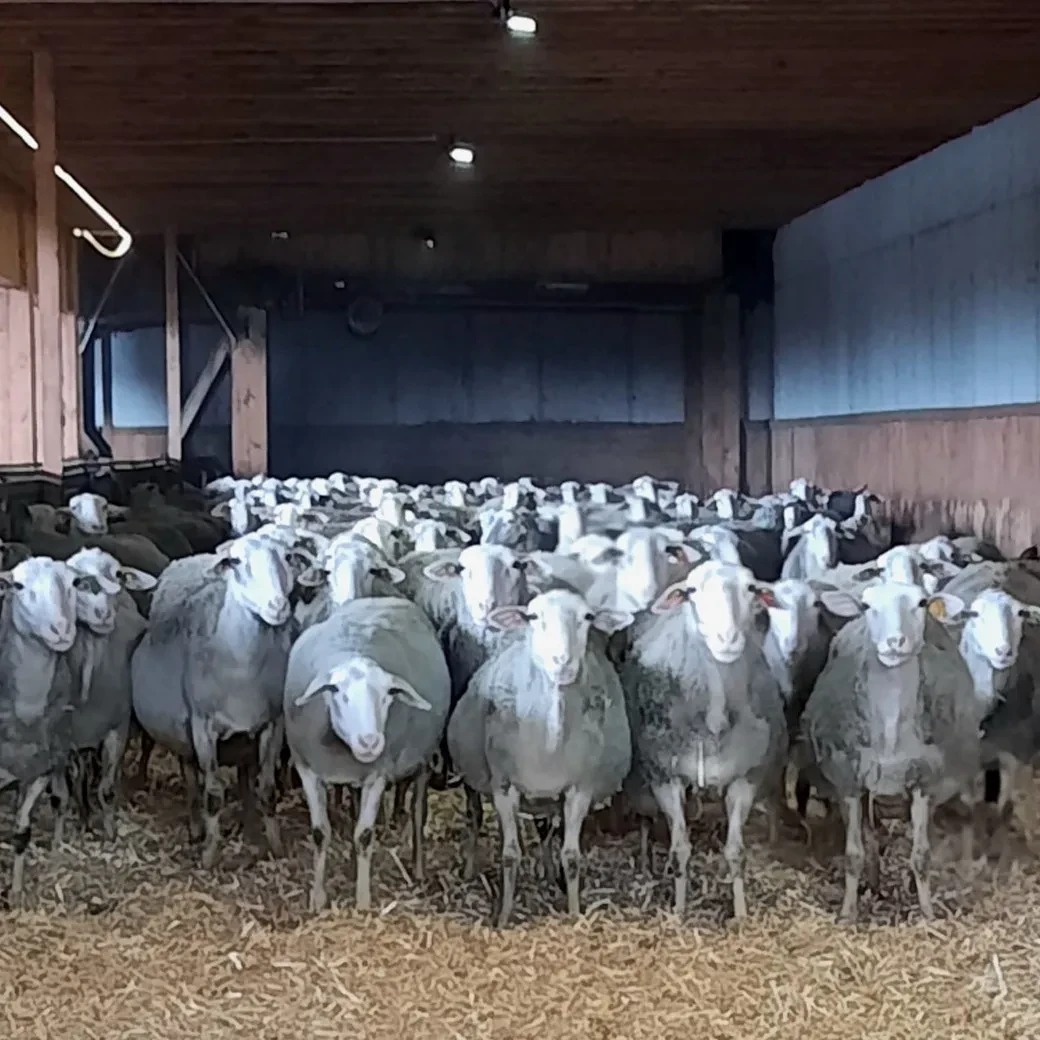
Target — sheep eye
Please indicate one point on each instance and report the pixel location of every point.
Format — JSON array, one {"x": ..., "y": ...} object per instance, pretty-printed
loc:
[
  {"x": 590, "y": 617},
  {"x": 923, "y": 604}
]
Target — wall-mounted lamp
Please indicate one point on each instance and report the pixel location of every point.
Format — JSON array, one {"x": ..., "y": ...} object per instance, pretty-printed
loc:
[{"x": 125, "y": 238}]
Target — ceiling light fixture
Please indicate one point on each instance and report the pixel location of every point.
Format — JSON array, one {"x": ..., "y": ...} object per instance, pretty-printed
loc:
[
  {"x": 125, "y": 238},
  {"x": 518, "y": 24},
  {"x": 521, "y": 25},
  {"x": 462, "y": 154}
]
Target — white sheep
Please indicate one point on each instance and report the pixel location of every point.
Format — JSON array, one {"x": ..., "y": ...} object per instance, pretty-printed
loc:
[
  {"x": 37, "y": 629},
  {"x": 211, "y": 670},
  {"x": 543, "y": 720},
  {"x": 366, "y": 697}
]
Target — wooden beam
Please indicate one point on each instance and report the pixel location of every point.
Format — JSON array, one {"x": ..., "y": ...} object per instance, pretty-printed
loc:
[
  {"x": 249, "y": 397},
  {"x": 47, "y": 360},
  {"x": 173, "y": 347},
  {"x": 721, "y": 393},
  {"x": 203, "y": 385},
  {"x": 693, "y": 477},
  {"x": 71, "y": 369}
]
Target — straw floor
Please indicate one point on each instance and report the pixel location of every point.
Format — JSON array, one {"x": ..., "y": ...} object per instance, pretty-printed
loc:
[{"x": 134, "y": 940}]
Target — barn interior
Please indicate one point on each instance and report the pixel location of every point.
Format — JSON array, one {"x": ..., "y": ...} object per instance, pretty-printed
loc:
[{"x": 726, "y": 244}]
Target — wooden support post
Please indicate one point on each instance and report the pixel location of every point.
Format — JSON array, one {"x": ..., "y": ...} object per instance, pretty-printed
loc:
[
  {"x": 173, "y": 348},
  {"x": 721, "y": 390},
  {"x": 249, "y": 397},
  {"x": 757, "y": 464},
  {"x": 72, "y": 435},
  {"x": 105, "y": 358},
  {"x": 694, "y": 477},
  {"x": 47, "y": 357}
]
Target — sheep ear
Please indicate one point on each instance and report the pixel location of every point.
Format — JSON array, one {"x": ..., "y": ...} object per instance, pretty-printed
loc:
[
  {"x": 611, "y": 621},
  {"x": 764, "y": 595},
  {"x": 312, "y": 577},
  {"x": 868, "y": 574},
  {"x": 8, "y": 584},
  {"x": 223, "y": 564},
  {"x": 840, "y": 603},
  {"x": 317, "y": 687},
  {"x": 505, "y": 619},
  {"x": 139, "y": 581},
  {"x": 394, "y": 575},
  {"x": 444, "y": 570},
  {"x": 945, "y": 607},
  {"x": 672, "y": 597},
  {"x": 1028, "y": 613},
  {"x": 405, "y": 692}
]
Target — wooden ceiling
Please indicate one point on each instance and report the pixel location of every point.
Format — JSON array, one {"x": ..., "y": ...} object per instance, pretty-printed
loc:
[{"x": 621, "y": 114}]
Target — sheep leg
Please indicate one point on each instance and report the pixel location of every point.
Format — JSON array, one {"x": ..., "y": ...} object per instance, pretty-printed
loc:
[
  {"x": 920, "y": 852},
  {"x": 507, "y": 805},
  {"x": 474, "y": 821},
  {"x": 740, "y": 796},
  {"x": 59, "y": 803},
  {"x": 140, "y": 782},
  {"x": 576, "y": 804},
  {"x": 855, "y": 856},
  {"x": 190, "y": 778},
  {"x": 112, "y": 750},
  {"x": 205, "y": 743},
  {"x": 399, "y": 812},
  {"x": 646, "y": 845},
  {"x": 671, "y": 798},
  {"x": 1007, "y": 775},
  {"x": 23, "y": 834},
  {"x": 321, "y": 831},
  {"x": 364, "y": 836},
  {"x": 271, "y": 742},
  {"x": 545, "y": 826},
  {"x": 871, "y": 847},
  {"x": 419, "y": 798}
]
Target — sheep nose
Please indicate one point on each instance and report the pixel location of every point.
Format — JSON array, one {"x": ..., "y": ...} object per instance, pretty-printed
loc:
[
  {"x": 368, "y": 741},
  {"x": 1003, "y": 651},
  {"x": 897, "y": 642}
]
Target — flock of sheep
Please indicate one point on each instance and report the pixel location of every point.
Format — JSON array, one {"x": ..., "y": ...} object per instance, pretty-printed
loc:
[{"x": 550, "y": 649}]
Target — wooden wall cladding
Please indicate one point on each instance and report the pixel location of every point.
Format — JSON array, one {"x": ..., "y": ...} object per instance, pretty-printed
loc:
[{"x": 973, "y": 470}]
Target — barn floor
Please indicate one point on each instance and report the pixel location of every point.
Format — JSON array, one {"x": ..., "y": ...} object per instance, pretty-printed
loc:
[{"x": 136, "y": 941}]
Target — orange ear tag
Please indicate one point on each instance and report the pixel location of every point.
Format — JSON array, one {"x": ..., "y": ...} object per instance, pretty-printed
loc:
[{"x": 937, "y": 608}]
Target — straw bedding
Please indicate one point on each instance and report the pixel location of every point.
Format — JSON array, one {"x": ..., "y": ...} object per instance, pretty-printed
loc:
[{"x": 134, "y": 940}]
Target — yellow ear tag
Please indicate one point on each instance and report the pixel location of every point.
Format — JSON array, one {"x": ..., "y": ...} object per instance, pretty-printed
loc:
[{"x": 937, "y": 608}]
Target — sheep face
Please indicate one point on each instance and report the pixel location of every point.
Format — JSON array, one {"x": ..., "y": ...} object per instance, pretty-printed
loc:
[
  {"x": 455, "y": 494},
  {"x": 259, "y": 577},
  {"x": 559, "y": 622},
  {"x": 90, "y": 513},
  {"x": 389, "y": 540},
  {"x": 492, "y": 576},
  {"x": 896, "y": 613},
  {"x": 724, "y": 598},
  {"x": 358, "y": 696},
  {"x": 642, "y": 570},
  {"x": 43, "y": 601},
  {"x": 794, "y": 617},
  {"x": 600, "y": 493},
  {"x": 821, "y": 535},
  {"x": 686, "y": 506},
  {"x": 353, "y": 567},
  {"x": 724, "y": 502},
  {"x": 569, "y": 492},
  {"x": 100, "y": 579},
  {"x": 571, "y": 525},
  {"x": 994, "y": 627},
  {"x": 646, "y": 488},
  {"x": 394, "y": 511}
]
